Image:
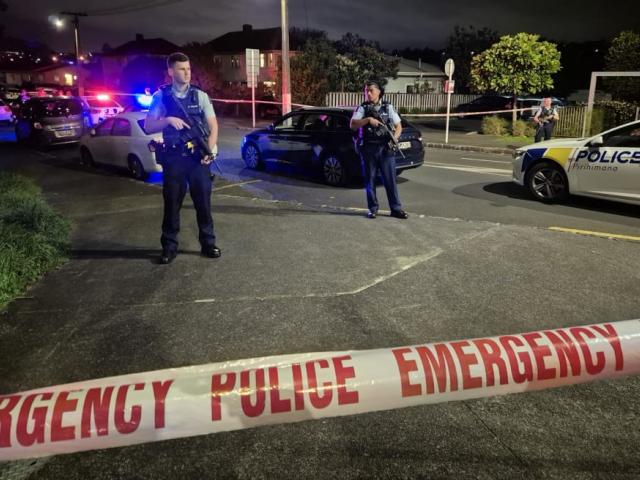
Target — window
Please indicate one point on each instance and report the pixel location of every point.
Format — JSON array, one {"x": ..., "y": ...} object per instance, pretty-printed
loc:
[
  {"x": 316, "y": 122},
  {"x": 624, "y": 137},
  {"x": 58, "y": 108},
  {"x": 270, "y": 60},
  {"x": 141, "y": 125},
  {"x": 217, "y": 60},
  {"x": 235, "y": 63},
  {"x": 262, "y": 60},
  {"x": 121, "y": 128},
  {"x": 104, "y": 129},
  {"x": 340, "y": 123},
  {"x": 288, "y": 123}
]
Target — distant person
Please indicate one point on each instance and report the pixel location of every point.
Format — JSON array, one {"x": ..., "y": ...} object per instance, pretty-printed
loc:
[
  {"x": 373, "y": 147},
  {"x": 174, "y": 109},
  {"x": 545, "y": 118}
]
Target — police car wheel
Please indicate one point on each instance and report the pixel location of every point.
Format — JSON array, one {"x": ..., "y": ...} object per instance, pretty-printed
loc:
[
  {"x": 547, "y": 182},
  {"x": 86, "y": 158},
  {"x": 251, "y": 156},
  {"x": 136, "y": 168},
  {"x": 333, "y": 171}
]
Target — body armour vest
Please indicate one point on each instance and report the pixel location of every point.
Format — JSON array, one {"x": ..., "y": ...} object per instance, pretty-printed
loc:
[
  {"x": 170, "y": 135},
  {"x": 368, "y": 133}
]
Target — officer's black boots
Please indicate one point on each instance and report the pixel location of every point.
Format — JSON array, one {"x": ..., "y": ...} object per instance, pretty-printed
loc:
[
  {"x": 399, "y": 214},
  {"x": 211, "y": 251},
  {"x": 167, "y": 256}
]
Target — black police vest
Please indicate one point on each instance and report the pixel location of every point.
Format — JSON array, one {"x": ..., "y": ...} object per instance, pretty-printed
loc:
[
  {"x": 170, "y": 135},
  {"x": 369, "y": 134}
]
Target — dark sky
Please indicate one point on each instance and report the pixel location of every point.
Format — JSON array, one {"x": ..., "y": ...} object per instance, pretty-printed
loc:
[{"x": 394, "y": 24}]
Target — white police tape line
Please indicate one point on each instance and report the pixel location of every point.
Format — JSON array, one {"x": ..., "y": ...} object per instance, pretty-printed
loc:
[{"x": 183, "y": 402}]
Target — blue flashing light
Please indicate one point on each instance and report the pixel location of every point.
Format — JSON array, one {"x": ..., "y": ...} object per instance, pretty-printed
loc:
[{"x": 144, "y": 100}]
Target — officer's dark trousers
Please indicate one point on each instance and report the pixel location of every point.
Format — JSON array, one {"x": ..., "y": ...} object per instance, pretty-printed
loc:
[
  {"x": 182, "y": 172},
  {"x": 377, "y": 158},
  {"x": 545, "y": 130}
]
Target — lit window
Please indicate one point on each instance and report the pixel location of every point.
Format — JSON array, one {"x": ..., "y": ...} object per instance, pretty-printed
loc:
[
  {"x": 270, "y": 62},
  {"x": 262, "y": 60}
]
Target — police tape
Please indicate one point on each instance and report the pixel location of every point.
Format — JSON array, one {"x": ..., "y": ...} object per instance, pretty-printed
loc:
[{"x": 189, "y": 401}]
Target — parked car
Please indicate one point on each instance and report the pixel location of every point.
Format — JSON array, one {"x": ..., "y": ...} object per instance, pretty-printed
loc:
[
  {"x": 488, "y": 103},
  {"x": 320, "y": 140},
  {"x": 6, "y": 115},
  {"x": 121, "y": 141},
  {"x": 99, "y": 107},
  {"x": 44, "y": 121},
  {"x": 485, "y": 103},
  {"x": 606, "y": 166}
]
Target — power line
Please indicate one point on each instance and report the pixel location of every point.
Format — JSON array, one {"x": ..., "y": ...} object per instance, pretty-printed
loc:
[{"x": 128, "y": 8}]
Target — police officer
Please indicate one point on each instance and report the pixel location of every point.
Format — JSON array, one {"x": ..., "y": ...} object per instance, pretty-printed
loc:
[
  {"x": 545, "y": 118},
  {"x": 373, "y": 146},
  {"x": 173, "y": 109}
]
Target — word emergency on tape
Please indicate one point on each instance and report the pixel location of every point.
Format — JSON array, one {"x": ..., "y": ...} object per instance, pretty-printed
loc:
[{"x": 218, "y": 397}]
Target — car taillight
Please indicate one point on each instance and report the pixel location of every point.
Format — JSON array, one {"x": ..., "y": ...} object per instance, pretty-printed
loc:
[{"x": 37, "y": 125}]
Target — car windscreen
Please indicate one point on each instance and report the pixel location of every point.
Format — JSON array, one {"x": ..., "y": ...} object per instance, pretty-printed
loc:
[{"x": 57, "y": 107}]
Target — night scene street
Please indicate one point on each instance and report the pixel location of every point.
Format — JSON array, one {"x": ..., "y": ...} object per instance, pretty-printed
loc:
[{"x": 303, "y": 239}]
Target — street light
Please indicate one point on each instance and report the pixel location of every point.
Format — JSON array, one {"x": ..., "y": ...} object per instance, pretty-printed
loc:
[
  {"x": 59, "y": 23},
  {"x": 286, "y": 75}
]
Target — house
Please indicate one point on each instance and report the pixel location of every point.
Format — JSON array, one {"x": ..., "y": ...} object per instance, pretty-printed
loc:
[
  {"x": 137, "y": 64},
  {"x": 416, "y": 77},
  {"x": 229, "y": 55}
]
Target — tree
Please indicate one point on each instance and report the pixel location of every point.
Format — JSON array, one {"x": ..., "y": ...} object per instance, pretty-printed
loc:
[
  {"x": 462, "y": 45},
  {"x": 518, "y": 64},
  {"x": 361, "y": 60},
  {"x": 624, "y": 55},
  {"x": 310, "y": 80}
]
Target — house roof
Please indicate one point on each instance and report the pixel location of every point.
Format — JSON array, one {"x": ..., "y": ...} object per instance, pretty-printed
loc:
[
  {"x": 263, "y": 39},
  {"x": 143, "y": 46},
  {"x": 412, "y": 67}
]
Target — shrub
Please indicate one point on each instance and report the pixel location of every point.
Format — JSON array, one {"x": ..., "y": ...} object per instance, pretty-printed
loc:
[
  {"x": 494, "y": 125},
  {"x": 523, "y": 128}
]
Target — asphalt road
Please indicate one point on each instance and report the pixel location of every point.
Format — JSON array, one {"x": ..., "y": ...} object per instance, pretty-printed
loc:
[{"x": 302, "y": 270}]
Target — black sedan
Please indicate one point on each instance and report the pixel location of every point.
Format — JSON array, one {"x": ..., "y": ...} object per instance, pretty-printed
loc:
[{"x": 320, "y": 140}]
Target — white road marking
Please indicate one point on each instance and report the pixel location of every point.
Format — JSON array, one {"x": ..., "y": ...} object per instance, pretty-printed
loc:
[
  {"x": 466, "y": 168},
  {"x": 505, "y": 162}
]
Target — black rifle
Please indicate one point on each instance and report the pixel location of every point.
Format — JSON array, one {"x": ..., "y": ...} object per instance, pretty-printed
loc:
[
  {"x": 196, "y": 134},
  {"x": 393, "y": 141}
]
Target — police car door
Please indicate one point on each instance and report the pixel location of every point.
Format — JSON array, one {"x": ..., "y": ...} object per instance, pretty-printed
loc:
[{"x": 611, "y": 169}]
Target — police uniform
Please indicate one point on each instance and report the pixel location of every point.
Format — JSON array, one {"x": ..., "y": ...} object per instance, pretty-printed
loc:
[
  {"x": 182, "y": 167},
  {"x": 375, "y": 154},
  {"x": 545, "y": 127}
]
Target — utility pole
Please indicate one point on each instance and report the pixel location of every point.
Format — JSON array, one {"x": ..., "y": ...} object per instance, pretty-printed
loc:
[
  {"x": 286, "y": 74},
  {"x": 76, "y": 27}
]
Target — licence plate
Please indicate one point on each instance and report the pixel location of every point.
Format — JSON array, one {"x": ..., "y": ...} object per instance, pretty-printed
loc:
[
  {"x": 404, "y": 145},
  {"x": 64, "y": 133}
]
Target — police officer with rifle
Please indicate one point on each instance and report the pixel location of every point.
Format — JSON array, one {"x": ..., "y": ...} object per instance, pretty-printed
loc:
[
  {"x": 379, "y": 128},
  {"x": 545, "y": 119},
  {"x": 189, "y": 128}
]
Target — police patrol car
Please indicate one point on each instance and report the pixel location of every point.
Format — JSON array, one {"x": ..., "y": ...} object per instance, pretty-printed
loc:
[{"x": 604, "y": 166}]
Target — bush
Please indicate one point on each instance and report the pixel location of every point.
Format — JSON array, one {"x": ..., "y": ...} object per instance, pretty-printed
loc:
[
  {"x": 33, "y": 237},
  {"x": 416, "y": 110},
  {"x": 403, "y": 110},
  {"x": 430, "y": 110},
  {"x": 494, "y": 125},
  {"x": 523, "y": 128}
]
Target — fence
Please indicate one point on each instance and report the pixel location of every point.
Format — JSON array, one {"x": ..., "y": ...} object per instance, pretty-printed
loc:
[
  {"x": 431, "y": 101},
  {"x": 570, "y": 123}
]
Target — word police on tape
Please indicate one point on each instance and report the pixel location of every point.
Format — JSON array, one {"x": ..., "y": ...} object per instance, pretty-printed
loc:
[{"x": 189, "y": 401}]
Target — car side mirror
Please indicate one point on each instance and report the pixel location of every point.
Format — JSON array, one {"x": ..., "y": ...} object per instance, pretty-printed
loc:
[{"x": 597, "y": 142}]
